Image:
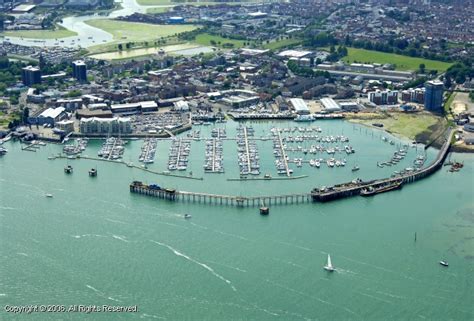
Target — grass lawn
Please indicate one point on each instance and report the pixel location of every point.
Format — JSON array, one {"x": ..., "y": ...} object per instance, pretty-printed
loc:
[
  {"x": 5, "y": 119},
  {"x": 402, "y": 62},
  {"x": 59, "y": 32},
  {"x": 205, "y": 39},
  {"x": 281, "y": 44},
  {"x": 157, "y": 10},
  {"x": 404, "y": 124},
  {"x": 124, "y": 31}
]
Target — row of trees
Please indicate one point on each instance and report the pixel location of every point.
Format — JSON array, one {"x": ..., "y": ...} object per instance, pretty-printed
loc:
[{"x": 306, "y": 71}]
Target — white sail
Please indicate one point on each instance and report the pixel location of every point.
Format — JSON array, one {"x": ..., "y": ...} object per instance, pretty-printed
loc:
[{"x": 329, "y": 265}]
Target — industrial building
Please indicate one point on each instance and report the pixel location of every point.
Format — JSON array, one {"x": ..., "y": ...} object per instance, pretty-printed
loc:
[
  {"x": 134, "y": 108},
  {"x": 115, "y": 125},
  {"x": 299, "y": 106},
  {"x": 330, "y": 105},
  {"x": 239, "y": 98},
  {"x": 49, "y": 116}
]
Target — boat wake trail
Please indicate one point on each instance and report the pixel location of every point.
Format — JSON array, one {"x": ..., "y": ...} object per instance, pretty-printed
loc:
[
  {"x": 87, "y": 235},
  {"x": 102, "y": 294},
  {"x": 8, "y": 208},
  {"x": 115, "y": 221},
  {"x": 120, "y": 238},
  {"x": 227, "y": 266},
  {"x": 178, "y": 253}
]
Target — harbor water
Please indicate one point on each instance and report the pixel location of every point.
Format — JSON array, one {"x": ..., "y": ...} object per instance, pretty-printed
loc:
[{"x": 95, "y": 243}]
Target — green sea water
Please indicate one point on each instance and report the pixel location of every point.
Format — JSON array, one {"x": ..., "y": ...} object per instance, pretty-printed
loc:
[{"x": 95, "y": 243}]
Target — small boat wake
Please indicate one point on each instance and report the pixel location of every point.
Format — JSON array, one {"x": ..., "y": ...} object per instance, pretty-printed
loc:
[{"x": 178, "y": 253}]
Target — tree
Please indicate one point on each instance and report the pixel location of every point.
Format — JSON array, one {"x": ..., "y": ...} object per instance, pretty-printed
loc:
[
  {"x": 120, "y": 47},
  {"x": 25, "y": 115},
  {"x": 422, "y": 68}
]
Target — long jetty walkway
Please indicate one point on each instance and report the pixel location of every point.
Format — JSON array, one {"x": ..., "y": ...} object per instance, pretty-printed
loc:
[
  {"x": 216, "y": 199},
  {"x": 355, "y": 188}
]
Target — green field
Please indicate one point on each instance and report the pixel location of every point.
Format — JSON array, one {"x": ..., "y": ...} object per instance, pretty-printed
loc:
[
  {"x": 281, "y": 44},
  {"x": 124, "y": 31},
  {"x": 57, "y": 33},
  {"x": 402, "y": 62},
  {"x": 403, "y": 124},
  {"x": 205, "y": 39}
]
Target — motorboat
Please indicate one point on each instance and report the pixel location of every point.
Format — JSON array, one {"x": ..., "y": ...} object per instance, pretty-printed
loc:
[
  {"x": 444, "y": 263},
  {"x": 49, "y": 195},
  {"x": 187, "y": 216},
  {"x": 355, "y": 168},
  {"x": 329, "y": 267}
]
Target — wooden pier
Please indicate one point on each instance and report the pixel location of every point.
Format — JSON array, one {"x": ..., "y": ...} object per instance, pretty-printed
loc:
[{"x": 216, "y": 199}]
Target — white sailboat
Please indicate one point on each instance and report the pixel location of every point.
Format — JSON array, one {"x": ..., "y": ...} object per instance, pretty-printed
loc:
[{"x": 328, "y": 266}]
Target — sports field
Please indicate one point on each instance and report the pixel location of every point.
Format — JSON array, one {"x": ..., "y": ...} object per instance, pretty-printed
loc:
[{"x": 401, "y": 62}]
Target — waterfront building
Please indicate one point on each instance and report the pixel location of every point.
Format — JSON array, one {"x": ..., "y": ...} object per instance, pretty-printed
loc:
[
  {"x": 114, "y": 125},
  {"x": 416, "y": 95},
  {"x": 386, "y": 97},
  {"x": 239, "y": 98},
  {"x": 48, "y": 116},
  {"x": 434, "y": 95},
  {"x": 299, "y": 106},
  {"x": 330, "y": 105},
  {"x": 65, "y": 125},
  {"x": 30, "y": 75},
  {"x": 79, "y": 70}
]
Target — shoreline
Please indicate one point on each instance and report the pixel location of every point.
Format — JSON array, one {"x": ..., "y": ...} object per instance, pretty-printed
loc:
[{"x": 428, "y": 137}]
